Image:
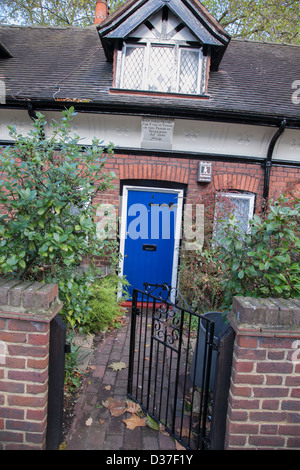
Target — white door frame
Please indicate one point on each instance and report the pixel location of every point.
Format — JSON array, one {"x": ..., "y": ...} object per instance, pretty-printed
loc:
[{"x": 178, "y": 224}]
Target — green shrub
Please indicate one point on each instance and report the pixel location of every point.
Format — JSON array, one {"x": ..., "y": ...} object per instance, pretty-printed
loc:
[
  {"x": 47, "y": 183},
  {"x": 266, "y": 261},
  {"x": 47, "y": 221},
  {"x": 200, "y": 279},
  {"x": 104, "y": 303}
]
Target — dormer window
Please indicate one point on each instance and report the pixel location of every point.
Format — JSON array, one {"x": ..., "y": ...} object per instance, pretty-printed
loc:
[
  {"x": 163, "y": 46},
  {"x": 168, "y": 68}
]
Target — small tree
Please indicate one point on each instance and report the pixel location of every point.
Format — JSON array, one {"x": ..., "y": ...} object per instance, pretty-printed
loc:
[
  {"x": 47, "y": 223},
  {"x": 47, "y": 184}
]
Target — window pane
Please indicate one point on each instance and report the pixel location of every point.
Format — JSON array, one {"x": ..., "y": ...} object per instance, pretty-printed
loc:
[
  {"x": 240, "y": 207},
  {"x": 133, "y": 70},
  {"x": 161, "y": 69},
  {"x": 188, "y": 71}
]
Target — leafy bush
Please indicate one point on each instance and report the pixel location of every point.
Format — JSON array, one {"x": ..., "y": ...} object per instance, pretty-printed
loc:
[
  {"x": 104, "y": 302},
  {"x": 73, "y": 374},
  {"x": 47, "y": 220},
  {"x": 47, "y": 225},
  {"x": 200, "y": 279},
  {"x": 200, "y": 272},
  {"x": 266, "y": 261}
]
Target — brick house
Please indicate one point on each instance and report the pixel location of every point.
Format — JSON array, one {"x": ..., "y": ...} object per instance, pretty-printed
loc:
[{"x": 188, "y": 109}]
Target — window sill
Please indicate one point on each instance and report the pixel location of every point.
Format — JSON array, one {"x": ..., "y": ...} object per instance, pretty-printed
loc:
[{"x": 121, "y": 91}]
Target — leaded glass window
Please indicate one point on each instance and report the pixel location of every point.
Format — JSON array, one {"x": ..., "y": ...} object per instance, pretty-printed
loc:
[
  {"x": 161, "y": 68},
  {"x": 188, "y": 71},
  {"x": 241, "y": 206},
  {"x": 168, "y": 68},
  {"x": 132, "y": 71}
]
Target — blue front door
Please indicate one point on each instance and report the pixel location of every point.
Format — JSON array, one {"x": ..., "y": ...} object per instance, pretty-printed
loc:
[{"x": 150, "y": 237}]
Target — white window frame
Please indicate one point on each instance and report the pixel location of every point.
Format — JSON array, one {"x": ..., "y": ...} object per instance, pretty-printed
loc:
[
  {"x": 147, "y": 45},
  {"x": 200, "y": 65},
  {"x": 249, "y": 197}
]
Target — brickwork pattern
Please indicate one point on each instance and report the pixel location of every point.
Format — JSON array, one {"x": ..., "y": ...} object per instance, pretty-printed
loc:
[
  {"x": 26, "y": 310},
  {"x": 264, "y": 398},
  {"x": 227, "y": 176}
]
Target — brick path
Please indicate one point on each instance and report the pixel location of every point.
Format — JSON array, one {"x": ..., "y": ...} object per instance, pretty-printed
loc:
[{"x": 87, "y": 432}]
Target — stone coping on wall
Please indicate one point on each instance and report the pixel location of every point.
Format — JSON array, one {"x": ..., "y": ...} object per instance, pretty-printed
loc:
[
  {"x": 265, "y": 316},
  {"x": 28, "y": 300}
]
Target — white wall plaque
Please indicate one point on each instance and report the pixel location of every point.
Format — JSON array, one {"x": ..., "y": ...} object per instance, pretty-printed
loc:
[
  {"x": 204, "y": 172},
  {"x": 157, "y": 133}
]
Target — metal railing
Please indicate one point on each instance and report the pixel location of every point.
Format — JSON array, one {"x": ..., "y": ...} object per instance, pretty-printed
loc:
[{"x": 169, "y": 363}]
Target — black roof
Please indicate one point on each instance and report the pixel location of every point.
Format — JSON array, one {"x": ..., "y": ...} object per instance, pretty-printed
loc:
[
  {"x": 48, "y": 63},
  {"x": 124, "y": 21}
]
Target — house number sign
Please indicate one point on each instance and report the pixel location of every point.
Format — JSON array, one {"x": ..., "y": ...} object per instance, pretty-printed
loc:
[{"x": 157, "y": 133}]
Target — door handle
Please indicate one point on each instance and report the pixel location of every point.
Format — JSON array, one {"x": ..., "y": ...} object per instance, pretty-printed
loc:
[{"x": 149, "y": 247}]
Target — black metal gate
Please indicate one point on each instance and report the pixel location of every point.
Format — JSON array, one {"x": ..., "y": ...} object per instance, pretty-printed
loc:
[{"x": 165, "y": 351}]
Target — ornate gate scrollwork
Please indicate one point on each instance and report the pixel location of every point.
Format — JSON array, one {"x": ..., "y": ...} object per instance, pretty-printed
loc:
[{"x": 163, "y": 340}]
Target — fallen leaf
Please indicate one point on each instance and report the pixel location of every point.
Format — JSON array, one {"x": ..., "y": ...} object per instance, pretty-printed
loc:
[
  {"x": 101, "y": 421},
  {"x": 108, "y": 387},
  {"x": 89, "y": 421},
  {"x": 117, "y": 366},
  {"x": 107, "y": 403},
  {"x": 134, "y": 421},
  {"x": 185, "y": 432},
  {"x": 132, "y": 407},
  {"x": 116, "y": 407},
  {"x": 162, "y": 430},
  {"x": 152, "y": 423}
]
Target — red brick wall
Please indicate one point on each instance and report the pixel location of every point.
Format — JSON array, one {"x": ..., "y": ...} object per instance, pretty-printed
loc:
[
  {"x": 226, "y": 175},
  {"x": 264, "y": 398},
  {"x": 285, "y": 180},
  {"x": 26, "y": 310}
]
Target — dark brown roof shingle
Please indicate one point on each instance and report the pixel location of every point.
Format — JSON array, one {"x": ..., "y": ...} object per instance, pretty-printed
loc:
[{"x": 49, "y": 63}]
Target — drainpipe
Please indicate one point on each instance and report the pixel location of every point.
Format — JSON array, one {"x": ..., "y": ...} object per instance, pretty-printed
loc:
[
  {"x": 268, "y": 162},
  {"x": 32, "y": 114},
  {"x": 31, "y": 111}
]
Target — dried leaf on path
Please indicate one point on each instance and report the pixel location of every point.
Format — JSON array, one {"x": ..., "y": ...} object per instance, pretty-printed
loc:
[
  {"x": 162, "y": 430},
  {"x": 185, "y": 432},
  {"x": 117, "y": 366},
  {"x": 132, "y": 407},
  {"x": 134, "y": 421},
  {"x": 116, "y": 407},
  {"x": 89, "y": 421}
]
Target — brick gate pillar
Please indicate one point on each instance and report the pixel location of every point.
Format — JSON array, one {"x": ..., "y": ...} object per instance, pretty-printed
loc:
[
  {"x": 26, "y": 310},
  {"x": 264, "y": 397}
]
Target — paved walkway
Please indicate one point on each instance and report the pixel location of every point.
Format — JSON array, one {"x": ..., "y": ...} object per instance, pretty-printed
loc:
[{"x": 94, "y": 427}]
